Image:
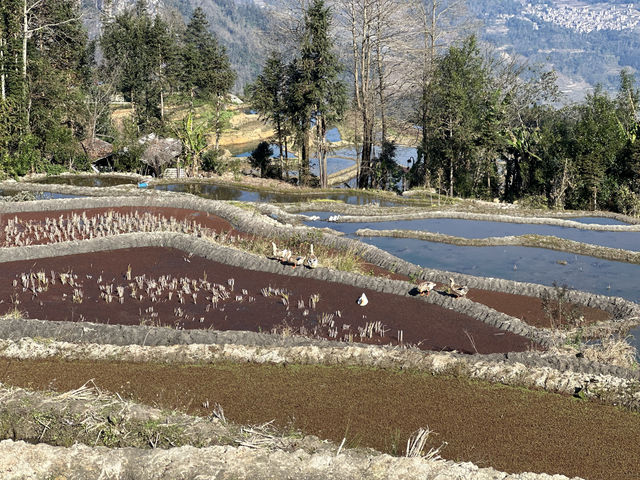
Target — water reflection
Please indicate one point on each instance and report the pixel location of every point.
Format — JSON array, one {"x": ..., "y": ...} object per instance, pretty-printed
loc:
[
  {"x": 598, "y": 220},
  {"x": 87, "y": 181},
  {"x": 41, "y": 195},
  {"x": 482, "y": 229},
  {"x": 525, "y": 264},
  {"x": 224, "y": 192}
]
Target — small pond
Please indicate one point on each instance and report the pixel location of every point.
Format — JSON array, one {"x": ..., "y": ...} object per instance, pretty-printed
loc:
[
  {"x": 334, "y": 165},
  {"x": 242, "y": 152},
  {"x": 245, "y": 149},
  {"x": 403, "y": 154},
  {"x": 87, "y": 181},
  {"x": 224, "y": 192},
  {"x": 482, "y": 229},
  {"x": 41, "y": 195}
]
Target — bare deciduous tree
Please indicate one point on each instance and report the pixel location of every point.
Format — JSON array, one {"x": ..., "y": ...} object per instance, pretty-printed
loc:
[{"x": 438, "y": 23}]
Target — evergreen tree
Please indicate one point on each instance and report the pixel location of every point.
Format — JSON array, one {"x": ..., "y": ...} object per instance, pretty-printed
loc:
[
  {"x": 267, "y": 96},
  {"x": 598, "y": 139},
  {"x": 137, "y": 48},
  {"x": 41, "y": 81},
  {"x": 206, "y": 71},
  {"x": 387, "y": 172},
  {"x": 316, "y": 95},
  {"x": 261, "y": 157},
  {"x": 463, "y": 117}
]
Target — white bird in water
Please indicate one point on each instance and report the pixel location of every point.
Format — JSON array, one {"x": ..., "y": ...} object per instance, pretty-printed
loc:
[{"x": 363, "y": 300}]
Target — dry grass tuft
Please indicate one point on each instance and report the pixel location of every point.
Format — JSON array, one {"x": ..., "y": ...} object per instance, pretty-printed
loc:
[
  {"x": 417, "y": 442},
  {"x": 612, "y": 350},
  {"x": 14, "y": 314},
  {"x": 344, "y": 260}
]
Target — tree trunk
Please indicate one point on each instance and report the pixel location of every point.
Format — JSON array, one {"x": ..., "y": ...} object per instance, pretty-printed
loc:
[
  {"x": 381, "y": 84},
  {"x": 367, "y": 145},
  {"x": 286, "y": 156},
  {"x": 3, "y": 88},
  {"x": 451, "y": 176},
  {"x": 280, "y": 158},
  {"x": 322, "y": 157},
  {"x": 304, "y": 160},
  {"x": 25, "y": 33}
]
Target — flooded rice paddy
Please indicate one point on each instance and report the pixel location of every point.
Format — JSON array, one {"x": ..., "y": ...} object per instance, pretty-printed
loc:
[
  {"x": 225, "y": 192},
  {"x": 522, "y": 264},
  {"x": 598, "y": 220},
  {"x": 87, "y": 181},
  {"x": 482, "y": 229},
  {"x": 41, "y": 195}
]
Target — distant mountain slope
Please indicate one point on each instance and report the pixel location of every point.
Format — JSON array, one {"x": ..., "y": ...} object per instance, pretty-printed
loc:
[
  {"x": 236, "y": 24},
  {"x": 586, "y": 41}
]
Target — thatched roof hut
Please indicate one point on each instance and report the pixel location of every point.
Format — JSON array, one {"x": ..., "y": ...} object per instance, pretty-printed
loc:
[{"x": 96, "y": 149}]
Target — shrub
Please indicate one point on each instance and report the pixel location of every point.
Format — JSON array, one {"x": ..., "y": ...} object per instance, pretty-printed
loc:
[
  {"x": 212, "y": 161},
  {"x": 261, "y": 157},
  {"x": 535, "y": 201},
  {"x": 627, "y": 201}
]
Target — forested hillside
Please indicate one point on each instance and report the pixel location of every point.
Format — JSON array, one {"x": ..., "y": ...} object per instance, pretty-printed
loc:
[
  {"x": 237, "y": 25},
  {"x": 385, "y": 71},
  {"x": 586, "y": 42}
]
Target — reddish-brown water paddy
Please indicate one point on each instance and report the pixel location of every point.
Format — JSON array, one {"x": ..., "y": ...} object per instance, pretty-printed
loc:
[
  {"x": 510, "y": 429},
  {"x": 528, "y": 309},
  {"x": 168, "y": 287}
]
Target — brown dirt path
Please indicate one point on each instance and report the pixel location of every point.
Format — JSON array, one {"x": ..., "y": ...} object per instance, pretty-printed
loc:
[{"x": 507, "y": 428}]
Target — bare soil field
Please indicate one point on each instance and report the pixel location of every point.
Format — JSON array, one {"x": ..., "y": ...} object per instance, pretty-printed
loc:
[{"x": 510, "y": 429}]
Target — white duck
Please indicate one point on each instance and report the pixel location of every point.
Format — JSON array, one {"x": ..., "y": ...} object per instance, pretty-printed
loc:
[
  {"x": 457, "y": 290},
  {"x": 425, "y": 286},
  {"x": 275, "y": 254},
  {"x": 285, "y": 255},
  {"x": 363, "y": 300},
  {"x": 312, "y": 260},
  {"x": 298, "y": 261}
]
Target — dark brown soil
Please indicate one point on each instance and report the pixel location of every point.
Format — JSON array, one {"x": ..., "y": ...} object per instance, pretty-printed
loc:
[
  {"x": 531, "y": 310},
  {"x": 203, "y": 219},
  {"x": 286, "y": 308},
  {"x": 509, "y": 429},
  {"x": 528, "y": 309}
]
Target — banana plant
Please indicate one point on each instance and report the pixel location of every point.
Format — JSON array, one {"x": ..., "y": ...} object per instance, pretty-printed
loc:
[{"x": 193, "y": 136}]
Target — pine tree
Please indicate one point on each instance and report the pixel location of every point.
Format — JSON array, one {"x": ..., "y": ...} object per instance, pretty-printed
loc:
[
  {"x": 206, "y": 71},
  {"x": 316, "y": 94},
  {"x": 41, "y": 80},
  {"x": 267, "y": 96},
  {"x": 138, "y": 47},
  {"x": 461, "y": 115}
]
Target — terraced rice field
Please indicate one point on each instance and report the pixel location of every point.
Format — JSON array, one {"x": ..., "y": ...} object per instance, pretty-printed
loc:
[{"x": 91, "y": 266}]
